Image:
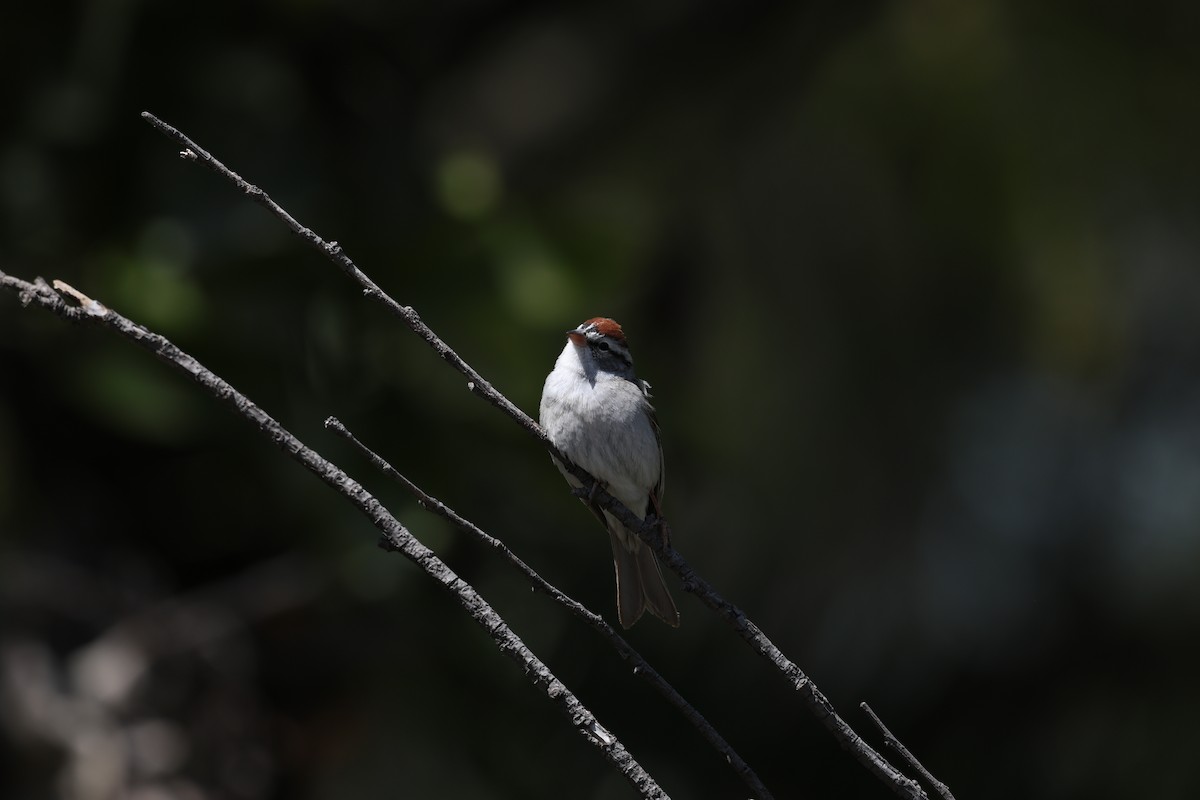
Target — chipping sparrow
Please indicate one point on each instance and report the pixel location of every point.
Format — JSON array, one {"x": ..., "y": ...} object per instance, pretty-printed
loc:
[{"x": 599, "y": 415}]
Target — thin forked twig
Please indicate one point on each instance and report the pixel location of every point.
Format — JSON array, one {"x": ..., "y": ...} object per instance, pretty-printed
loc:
[
  {"x": 394, "y": 533},
  {"x": 813, "y": 699},
  {"x": 640, "y": 666},
  {"x": 891, "y": 741}
]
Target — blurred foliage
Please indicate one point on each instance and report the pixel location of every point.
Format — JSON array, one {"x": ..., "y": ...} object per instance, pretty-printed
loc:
[{"x": 915, "y": 286}]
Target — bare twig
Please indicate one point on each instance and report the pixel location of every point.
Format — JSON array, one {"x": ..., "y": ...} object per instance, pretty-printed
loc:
[
  {"x": 640, "y": 666},
  {"x": 395, "y": 535},
  {"x": 813, "y": 699},
  {"x": 942, "y": 789},
  {"x": 333, "y": 251}
]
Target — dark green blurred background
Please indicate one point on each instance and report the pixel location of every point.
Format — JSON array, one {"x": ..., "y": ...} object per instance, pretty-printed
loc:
[{"x": 916, "y": 285}]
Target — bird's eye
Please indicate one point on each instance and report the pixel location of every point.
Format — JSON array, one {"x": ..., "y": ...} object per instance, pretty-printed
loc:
[{"x": 603, "y": 346}]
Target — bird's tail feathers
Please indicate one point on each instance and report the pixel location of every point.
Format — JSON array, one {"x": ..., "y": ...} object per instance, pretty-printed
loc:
[{"x": 640, "y": 584}]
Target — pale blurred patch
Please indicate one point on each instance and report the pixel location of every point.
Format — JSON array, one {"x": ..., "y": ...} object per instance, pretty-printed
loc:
[{"x": 108, "y": 669}]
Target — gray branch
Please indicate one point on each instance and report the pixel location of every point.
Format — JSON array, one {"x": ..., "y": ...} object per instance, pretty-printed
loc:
[
  {"x": 641, "y": 667},
  {"x": 395, "y": 535},
  {"x": 891, "y": 741},
  {"x": 649, "y": 530}
]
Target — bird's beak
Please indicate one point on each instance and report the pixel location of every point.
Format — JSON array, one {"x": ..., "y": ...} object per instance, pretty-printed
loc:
[{"x": 576, "y": 337}]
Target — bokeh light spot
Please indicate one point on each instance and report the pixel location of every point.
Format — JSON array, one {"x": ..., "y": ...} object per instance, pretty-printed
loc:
[
  {"x": 536, "y": 286},
  {"x": 468, "y": 184}
]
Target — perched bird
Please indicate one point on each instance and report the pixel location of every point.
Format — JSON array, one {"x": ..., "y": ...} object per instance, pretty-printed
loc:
[{"x": 598, "y": 414}]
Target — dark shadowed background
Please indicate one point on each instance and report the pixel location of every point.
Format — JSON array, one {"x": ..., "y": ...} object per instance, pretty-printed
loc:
[{"x": 917, "y": 286}]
